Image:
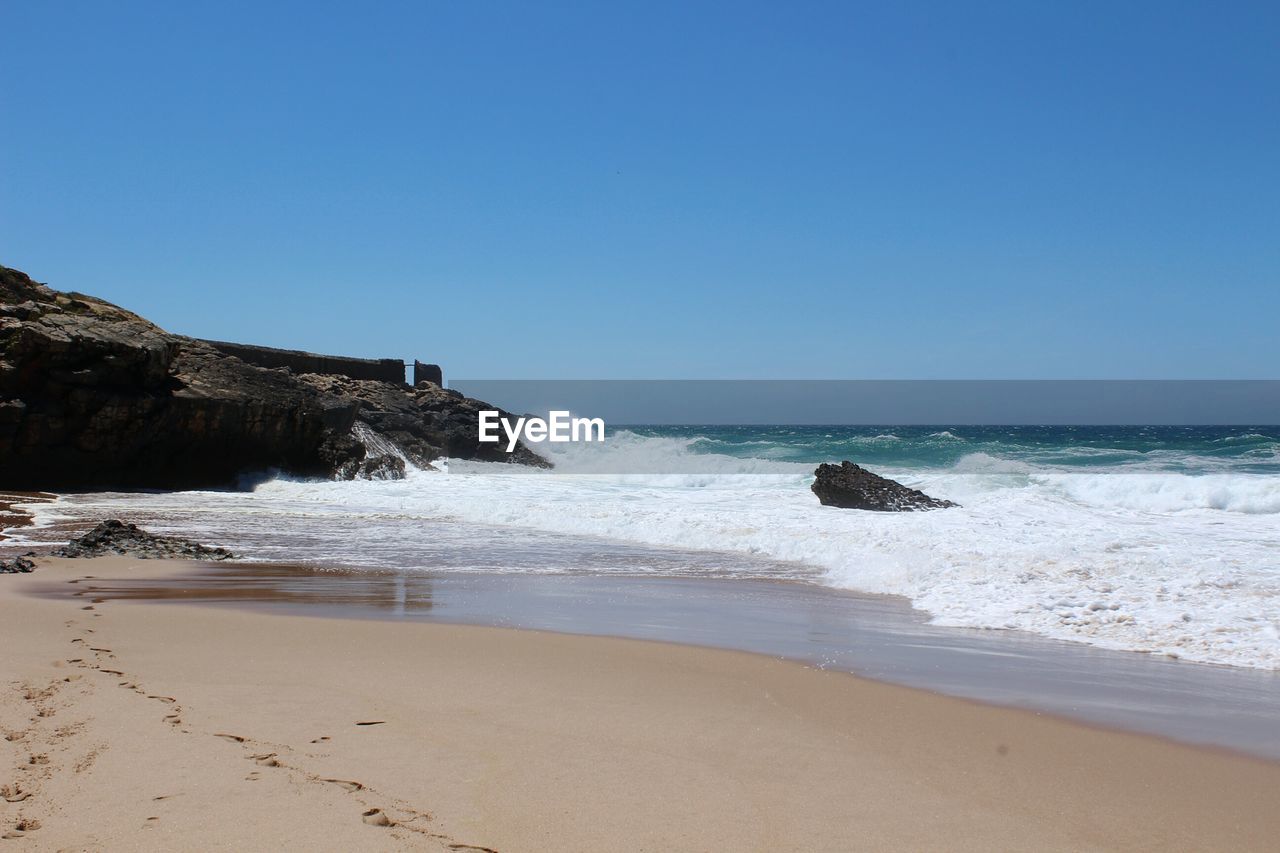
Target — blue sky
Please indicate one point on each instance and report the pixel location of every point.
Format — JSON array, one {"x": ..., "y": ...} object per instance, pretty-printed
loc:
[{"x": 651, "y": 190}]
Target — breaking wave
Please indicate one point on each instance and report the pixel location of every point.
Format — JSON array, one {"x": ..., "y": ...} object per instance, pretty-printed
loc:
[{"x": 1170, "y": 550}]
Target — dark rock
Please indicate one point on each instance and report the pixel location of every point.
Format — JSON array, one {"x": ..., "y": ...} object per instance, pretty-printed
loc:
[
  {"x": 425, "y": 423},
  {"x": 296, "y": 361},
  {"x": 429, "y": 373},
  {"x": 18, "y": 565},
  {"x": 116, "y": 537},
  {"x": 93, "y": 396},
  {"x": 386, "y": 466},
  {"x": 854, "y": 487}
]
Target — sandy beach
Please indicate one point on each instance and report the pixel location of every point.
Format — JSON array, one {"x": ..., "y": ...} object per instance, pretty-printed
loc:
[
  {"x": 640, "y": 427},
  {"x": 180, "y": 727}
]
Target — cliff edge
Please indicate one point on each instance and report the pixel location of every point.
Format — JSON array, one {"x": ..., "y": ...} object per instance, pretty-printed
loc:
[{"x": 93, "y": 396}]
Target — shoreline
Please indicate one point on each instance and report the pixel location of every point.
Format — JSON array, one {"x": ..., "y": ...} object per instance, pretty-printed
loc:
[
  {"x": 1174, "y": 594},
  {"x": 13, "y": 516},
  {"x": 222, "y": 725},
  {"x": 875, "y": 637}
]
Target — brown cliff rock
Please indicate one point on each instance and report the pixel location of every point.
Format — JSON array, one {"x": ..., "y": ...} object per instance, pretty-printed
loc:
[{"x": 93, "y": 396}]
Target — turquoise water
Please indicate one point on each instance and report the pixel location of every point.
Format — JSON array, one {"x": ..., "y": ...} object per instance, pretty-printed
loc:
[{"x": 1189, "y": 449}]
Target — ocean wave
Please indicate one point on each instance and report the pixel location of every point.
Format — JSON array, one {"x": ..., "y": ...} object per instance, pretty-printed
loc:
[
  {"x": 1201, "y": 586},
  {"x": 1125, "y": 557},
  {"x": 1249, "y": 436},
  {"x": 985, "y": 463},
  {"x": 1251, "y": 494},
  {"x": 631, "y": 455}
]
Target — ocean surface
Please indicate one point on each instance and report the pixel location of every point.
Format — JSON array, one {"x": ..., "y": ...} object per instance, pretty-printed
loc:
[{"x": 1152, "y": 539}]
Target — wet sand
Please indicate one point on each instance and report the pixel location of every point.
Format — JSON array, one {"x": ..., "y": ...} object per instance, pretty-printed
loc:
[
  {"x": 13, "y": 515},
  {"x": 875, "y": 636},
  {"x": 176, "y": 727}
]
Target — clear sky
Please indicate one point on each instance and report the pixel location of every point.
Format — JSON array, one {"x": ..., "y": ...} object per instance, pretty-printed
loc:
[{"x": 653, "y": 190}]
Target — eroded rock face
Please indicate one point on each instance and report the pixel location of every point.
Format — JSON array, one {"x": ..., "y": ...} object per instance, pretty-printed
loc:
[
  {"x": 425, "y": 423},
  {"x": 853, "y": 487},
  {"x": 116, "y": 537},
  {"x": 93, "y": 396},
  {"x": 384, "y": 466}
]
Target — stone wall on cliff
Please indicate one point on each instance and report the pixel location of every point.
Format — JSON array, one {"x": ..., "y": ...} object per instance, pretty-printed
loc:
[{"x": 378, "y": 369}]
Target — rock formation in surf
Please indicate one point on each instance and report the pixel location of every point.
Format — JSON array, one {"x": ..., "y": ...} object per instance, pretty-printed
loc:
[
  {"x": 93, "y": 396},
  {"x": 116, "y": 537},
  {"x": 853, "y": 487}
]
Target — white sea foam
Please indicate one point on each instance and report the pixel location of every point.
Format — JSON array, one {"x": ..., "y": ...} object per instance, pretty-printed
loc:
[
  {"x": 1169, "y": 492},
  {"x": 1234, "y": 439},
  {"x": 1148, "y": 560}
]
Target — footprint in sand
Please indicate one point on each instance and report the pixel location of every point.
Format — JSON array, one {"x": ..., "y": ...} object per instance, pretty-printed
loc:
[
  {"x": 321, "y": 739},
  {"x": 38, "y": 759},
  {"x": 349, "y": 786},
  {"x": 371, "y": 723},
  {"x": 234, "y": 738},
  {"x": 376, "y": 817},
  {"x": 13, "y": 793},
  {"x": 266, "y": 759}
]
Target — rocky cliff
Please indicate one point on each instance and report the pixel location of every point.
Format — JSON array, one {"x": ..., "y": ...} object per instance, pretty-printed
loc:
[{"x": 93, "y": 396}]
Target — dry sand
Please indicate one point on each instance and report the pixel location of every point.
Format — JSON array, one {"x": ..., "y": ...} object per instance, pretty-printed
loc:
[{"x": 177, "y": 727}]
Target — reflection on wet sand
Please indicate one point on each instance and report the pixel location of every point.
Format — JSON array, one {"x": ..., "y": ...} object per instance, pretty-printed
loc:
[{"x": 330, "y": 591}]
